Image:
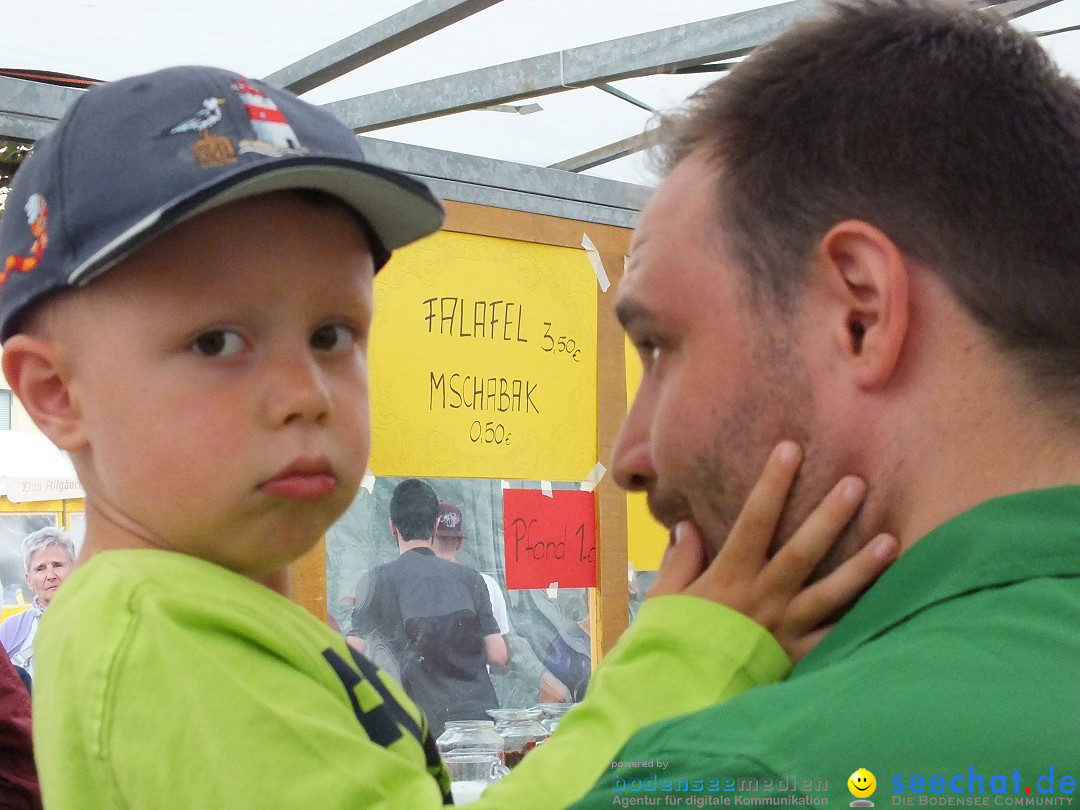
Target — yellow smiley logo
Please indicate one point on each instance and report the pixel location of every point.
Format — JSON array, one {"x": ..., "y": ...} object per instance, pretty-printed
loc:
[{"x": 862, "y": 783}]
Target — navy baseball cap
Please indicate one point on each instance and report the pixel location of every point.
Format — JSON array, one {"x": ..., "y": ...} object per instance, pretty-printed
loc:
[{"x": 136, "y": 157}]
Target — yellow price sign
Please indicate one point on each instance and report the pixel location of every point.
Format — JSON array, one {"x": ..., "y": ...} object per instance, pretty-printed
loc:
[{"x": 483, "y": 361}]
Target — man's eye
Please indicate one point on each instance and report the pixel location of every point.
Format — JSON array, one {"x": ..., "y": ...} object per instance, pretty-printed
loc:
[
  {"x": 218, "y": 343},
  {"x": 331, "y": 338},
  {"x": 649, "y": 352}
]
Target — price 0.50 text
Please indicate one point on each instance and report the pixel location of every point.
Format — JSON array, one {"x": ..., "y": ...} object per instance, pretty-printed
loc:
[{"x": 489, "y": 433}]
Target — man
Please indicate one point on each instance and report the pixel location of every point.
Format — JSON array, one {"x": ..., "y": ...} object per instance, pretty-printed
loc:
[
  {"x": 868, "y": 239},
  {"x": 434, "y": 614},
  {"x": 449, "y": 535}
]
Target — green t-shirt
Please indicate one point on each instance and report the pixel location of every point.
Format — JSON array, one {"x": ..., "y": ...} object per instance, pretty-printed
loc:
[
  {"x": 954, "y": 680},
  {"x": 165, "y": 681}
]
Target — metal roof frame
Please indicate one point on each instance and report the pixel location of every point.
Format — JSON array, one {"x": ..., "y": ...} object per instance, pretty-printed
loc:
[{"x": 28, "y": 109}]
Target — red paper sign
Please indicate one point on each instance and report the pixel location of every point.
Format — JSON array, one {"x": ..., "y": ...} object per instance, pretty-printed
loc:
[{"x": 549, "y": 540}]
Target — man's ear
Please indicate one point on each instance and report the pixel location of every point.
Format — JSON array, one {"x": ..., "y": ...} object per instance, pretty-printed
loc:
[
  {"x": 35, "y": 370},
  {"x": 866, "y": 277}
]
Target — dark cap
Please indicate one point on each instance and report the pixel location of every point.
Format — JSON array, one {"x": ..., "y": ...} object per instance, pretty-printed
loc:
[
  {"x": 136, "y": 157},
  {"x": 449, "y": 525}
]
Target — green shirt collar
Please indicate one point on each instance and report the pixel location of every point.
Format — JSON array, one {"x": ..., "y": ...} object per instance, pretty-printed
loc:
[{"x": 1009, "y": 539}]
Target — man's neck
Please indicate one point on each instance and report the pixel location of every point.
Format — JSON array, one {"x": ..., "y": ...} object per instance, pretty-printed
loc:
[
  {"x": 409, "y": 545},
  {"x": 956, "y": 423},
  {"x": 442, "y": 552},
  {"x": 968, "y": 447}
]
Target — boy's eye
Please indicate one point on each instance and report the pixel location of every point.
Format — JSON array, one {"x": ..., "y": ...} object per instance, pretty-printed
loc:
[
  {"x": 331, "y": 338},
  {"x": 218, "y": 343}
]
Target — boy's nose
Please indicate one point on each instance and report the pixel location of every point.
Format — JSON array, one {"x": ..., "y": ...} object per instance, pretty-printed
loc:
[{"x": 299, "y": 391}]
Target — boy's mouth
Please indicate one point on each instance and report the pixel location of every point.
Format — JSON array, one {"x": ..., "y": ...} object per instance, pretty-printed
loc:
[{"x": 306, "y": 479}]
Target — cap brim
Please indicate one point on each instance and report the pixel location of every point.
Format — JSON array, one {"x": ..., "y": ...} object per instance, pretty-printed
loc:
[{"x": 397, "y": 209}]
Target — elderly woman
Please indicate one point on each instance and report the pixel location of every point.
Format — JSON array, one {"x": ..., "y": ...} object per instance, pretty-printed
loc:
[{"x": 48, "y": 554}]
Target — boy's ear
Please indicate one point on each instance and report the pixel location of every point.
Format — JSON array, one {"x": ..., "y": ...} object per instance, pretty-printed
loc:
[
  {"x": 35, "y": 371},
  {"x": 867, "y": 277}
]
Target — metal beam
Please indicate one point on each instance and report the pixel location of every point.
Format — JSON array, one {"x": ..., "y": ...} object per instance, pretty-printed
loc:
[
  {"x": 620, "y": 94},
  {"x": 1017, "y": 8},
  {"x": 24, "y": 128},
  {"x": 36, "y": 99},
  {"x": 663, "y": 51},
  {"x": 396, "y": 31},
  {"x": 640, "y": 55},
  {"x": 533, "y": 203},
  {"x": 485, "y": 173},
  {"x": 604, "y": 154}
]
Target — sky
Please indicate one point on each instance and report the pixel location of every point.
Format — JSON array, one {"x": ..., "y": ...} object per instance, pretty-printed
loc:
[{"x": 108, "y": 39}]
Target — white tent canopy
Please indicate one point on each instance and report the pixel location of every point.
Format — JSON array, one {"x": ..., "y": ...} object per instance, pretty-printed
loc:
[
  {"x": 452, "y": 58},
  {"x": 33, "y": 469}
]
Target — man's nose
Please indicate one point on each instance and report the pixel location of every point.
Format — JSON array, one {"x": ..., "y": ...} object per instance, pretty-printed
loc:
[{"x": 632, "y": 463}]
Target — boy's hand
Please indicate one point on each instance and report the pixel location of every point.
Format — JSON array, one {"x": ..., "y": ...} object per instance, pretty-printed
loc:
[{"x": 770, "y": 590}]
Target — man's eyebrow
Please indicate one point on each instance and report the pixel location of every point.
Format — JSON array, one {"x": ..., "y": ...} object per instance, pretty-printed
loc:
[{"x": 629, "y": 312}]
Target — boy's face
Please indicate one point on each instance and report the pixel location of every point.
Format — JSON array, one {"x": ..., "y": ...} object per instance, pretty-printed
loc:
[{"x": 220, "y": 376}]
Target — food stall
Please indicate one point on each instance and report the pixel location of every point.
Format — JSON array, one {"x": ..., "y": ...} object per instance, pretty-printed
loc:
[{"x": 38, "y": 488}]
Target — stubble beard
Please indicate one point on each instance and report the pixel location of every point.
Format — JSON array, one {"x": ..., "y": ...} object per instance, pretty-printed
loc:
[
  {"x": 730, "y": 462},
  {"x": 779, "y": 404}
]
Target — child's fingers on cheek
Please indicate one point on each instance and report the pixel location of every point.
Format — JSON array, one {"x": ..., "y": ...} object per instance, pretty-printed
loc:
[
  {"x": 683, "y": 561},
  {"x": 840, "y": 588},
  {"x": 794, "y": 562},
  {"x": 754, "y": 527}
]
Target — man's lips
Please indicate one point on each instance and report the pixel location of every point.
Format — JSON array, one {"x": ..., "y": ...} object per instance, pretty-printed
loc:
[{"x": 310, "y": 479}]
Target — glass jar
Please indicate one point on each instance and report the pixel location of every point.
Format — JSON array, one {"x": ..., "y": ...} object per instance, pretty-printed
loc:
[
  {"x": 471, "y": 772},
  {"x": 553, "y": 713},
  {"x": 521, "y": 731},
  {"x": 470, "y": 736}
]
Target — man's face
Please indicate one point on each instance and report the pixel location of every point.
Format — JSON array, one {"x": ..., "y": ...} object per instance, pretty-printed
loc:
[
  {"x": 723, "y": 377},
  {"x": 48, "y": 569},
  {"x": 221, "y": 377}
]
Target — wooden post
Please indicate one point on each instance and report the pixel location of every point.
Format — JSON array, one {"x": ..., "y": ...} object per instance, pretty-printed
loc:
[
  {"x": 610, "y": 603},
  {"x": 308, "y": 580}
]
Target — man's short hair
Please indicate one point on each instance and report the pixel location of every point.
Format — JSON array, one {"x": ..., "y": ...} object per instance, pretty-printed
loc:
[
  {"x": 942, "y": 125},
  {"x": 414, "y": 508}
]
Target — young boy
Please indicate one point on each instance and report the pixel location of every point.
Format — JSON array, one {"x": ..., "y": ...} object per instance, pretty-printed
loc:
[{"x": 185, "y": 309}]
